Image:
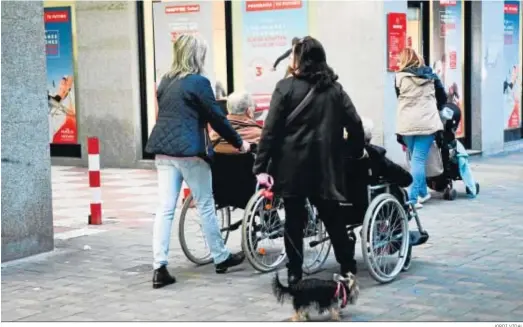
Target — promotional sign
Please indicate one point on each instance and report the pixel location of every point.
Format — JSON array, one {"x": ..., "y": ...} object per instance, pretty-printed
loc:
[
  {"x": 268, "y": 30},
  {"x": 447, "y": 51},
  {"x": 396, "y": 38},
  {"x": 60, "y": 75},
  {"x": 512, "y": 82},
  {"x": 173, "y": 18}
]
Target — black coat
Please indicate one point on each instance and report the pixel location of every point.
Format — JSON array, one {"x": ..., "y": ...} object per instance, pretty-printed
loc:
[
  {"x": 307, "y": 156},
  {"x": 185, "y": 107}
]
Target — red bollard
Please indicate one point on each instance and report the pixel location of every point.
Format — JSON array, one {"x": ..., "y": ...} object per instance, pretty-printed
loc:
[{"x": 93, "y": 151}]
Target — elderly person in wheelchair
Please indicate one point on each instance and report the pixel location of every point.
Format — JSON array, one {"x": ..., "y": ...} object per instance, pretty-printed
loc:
[
  {"x": 240, "y": 107},
  {"x": 368, "y": 179}
]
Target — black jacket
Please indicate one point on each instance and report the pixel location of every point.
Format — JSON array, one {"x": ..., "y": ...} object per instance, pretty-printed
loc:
[
  {"x": 307, "y": 156},
  {"x": 185, "y": 107}
]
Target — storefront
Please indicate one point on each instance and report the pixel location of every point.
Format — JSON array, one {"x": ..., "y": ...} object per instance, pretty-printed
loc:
[
  {"x": 119, "y": 68},
  {"x": 439, "y": 31},
  {"x": 262, "y": 31}
]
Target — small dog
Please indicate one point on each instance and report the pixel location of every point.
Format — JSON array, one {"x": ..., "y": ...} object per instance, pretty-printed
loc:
[{"x": 332, "y": 295}]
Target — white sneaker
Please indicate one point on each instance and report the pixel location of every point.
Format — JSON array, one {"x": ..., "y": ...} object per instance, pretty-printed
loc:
[
  {"x": 423, "y": 199},
  {"x": 418, "y": 205}
]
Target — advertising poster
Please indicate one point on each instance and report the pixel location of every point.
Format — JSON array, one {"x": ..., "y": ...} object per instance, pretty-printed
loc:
[
  {"x": 173, "y": 18},
  {"x": 60, "y": 75},
  {"x": 512, "y": 82},
  {"x": 447, "y": 51},
  {"x": 268, "y": 29}
]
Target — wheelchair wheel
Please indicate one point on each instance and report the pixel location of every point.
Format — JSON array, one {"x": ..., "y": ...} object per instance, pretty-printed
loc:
[
  {"x": 385, "y": 238},
  {"x": 190, "y": 230},
  {"x": 314, "y": 256},
  {"x": 262, "y": 232}
]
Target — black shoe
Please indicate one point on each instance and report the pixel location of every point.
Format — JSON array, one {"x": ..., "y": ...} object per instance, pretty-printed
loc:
[
  {"x": 233, "y": 260},
  {"x": 352, "y": 268},
  {"x": 161, "y": 277}
]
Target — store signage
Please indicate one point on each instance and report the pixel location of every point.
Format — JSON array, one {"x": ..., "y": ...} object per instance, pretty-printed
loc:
[
  {"x": 396, "y": 38},
  {"x": 187, "y": 9},
  {"x": 272, "y": 5}
]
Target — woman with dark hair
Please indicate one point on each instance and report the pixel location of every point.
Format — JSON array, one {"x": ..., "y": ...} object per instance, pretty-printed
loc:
[{"x": 307, "y": 152}]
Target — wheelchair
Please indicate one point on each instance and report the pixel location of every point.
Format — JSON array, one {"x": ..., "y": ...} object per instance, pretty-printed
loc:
[
  {"x": 261, "y": 224},
  {"x": 379, "y": 207}
]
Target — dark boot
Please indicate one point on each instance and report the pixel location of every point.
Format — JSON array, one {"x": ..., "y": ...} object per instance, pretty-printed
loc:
[
  {"x": 161, "y": 277},
  {"x": 233, "y": 260},
  {"x": 293, "y": 277}
]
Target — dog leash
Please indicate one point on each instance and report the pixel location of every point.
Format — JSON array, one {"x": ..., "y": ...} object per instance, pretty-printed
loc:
[{"x": 344, "y": 299}]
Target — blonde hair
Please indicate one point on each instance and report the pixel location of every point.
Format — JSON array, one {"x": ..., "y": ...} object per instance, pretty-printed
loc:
[
  {"x": 188, "y": 56},
  {"x": 410, "y": 59}
]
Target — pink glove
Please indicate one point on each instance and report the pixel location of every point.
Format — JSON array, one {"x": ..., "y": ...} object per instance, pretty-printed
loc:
[{"x": 265, "y": 179}]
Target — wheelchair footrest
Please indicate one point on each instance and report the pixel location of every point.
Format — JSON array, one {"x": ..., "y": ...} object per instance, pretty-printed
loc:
[
  {"x": 233, "y": 227},
  {"x": 418, "y": 238}
]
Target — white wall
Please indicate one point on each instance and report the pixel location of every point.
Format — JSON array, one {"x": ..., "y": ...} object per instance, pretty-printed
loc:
[{"x": 354, "y": 36}]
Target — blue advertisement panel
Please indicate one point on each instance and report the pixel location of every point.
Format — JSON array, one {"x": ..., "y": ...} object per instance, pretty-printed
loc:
[
  {"x": 268, "y": 30},
  {"x": 60, "y": 75},
  {"x": 447, "y": 55},
  {"x": 512, "y": 82}
]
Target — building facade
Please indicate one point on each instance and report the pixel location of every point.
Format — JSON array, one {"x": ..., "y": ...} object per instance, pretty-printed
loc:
[
  {"x": 121, "y": 49},
  {"x": 103, "y": 60}
]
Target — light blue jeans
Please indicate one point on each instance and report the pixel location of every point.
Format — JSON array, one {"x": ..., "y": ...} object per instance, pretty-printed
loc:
[
  {"x": 197, "y": 174},
  {"x": 418, "y": 146}
]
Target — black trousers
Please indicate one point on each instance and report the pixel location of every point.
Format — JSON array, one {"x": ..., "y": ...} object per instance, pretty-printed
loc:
[{"x": 328, "y": 212}]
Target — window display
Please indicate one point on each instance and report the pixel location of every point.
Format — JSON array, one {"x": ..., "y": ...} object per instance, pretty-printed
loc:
[
  {"x": 447, "y": 51},
  {"x": 512, "y": 82},
  {"x": 164, "y": 21}
]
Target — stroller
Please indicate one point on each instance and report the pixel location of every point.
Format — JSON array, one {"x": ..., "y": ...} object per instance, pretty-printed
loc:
[{"x": 454, "y": 156}]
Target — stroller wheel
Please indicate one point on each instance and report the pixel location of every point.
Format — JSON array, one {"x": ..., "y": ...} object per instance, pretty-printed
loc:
[
  {"x": 450, "y": 194},
  {"x": 477, "y": 190}
]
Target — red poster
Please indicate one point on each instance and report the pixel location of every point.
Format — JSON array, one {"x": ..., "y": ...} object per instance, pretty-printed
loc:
[
  {"x": 396, "y": 38},
  {"x": 453, "y": 59}
]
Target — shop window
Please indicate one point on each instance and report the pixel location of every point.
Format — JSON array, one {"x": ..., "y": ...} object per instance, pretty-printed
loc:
[
  {"x": 447, "y": 51},
  {"x": 414, "y": 29},
  {"x": 512, "y": 89},
  {"x": 166, "y": 20},
  {"x": 60, "y": 38}
]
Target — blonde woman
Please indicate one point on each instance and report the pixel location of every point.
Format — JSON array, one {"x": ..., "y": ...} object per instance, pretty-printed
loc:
[
  {"x": 420, "y": 97},
  {"x": 186, "y": 104}
]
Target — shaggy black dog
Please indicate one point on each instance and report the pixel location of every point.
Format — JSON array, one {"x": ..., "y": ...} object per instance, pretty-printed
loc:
[{"x": 331, "y": 295}]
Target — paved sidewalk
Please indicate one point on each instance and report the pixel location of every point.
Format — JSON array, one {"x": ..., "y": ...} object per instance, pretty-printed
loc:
[{"x": 470, "y": 270}]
